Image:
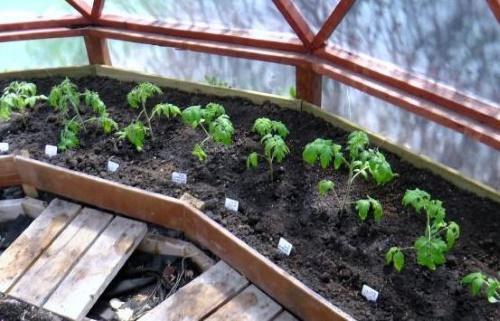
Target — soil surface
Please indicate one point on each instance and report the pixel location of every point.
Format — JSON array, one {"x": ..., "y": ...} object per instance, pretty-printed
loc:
[{"x": 333, "y": 255}]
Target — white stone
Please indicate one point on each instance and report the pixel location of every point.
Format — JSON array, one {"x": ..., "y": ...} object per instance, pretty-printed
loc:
[
  {"x": 231, "y": 204},
  {"x": 4, "y": 147},
  {"x": 284, "y": 246},
  {"x": 112, "y": 166},
  {"x": 179, "y": 178},
  {"x": 369, "y": 293},
  {"x": 50, "y": 150}
]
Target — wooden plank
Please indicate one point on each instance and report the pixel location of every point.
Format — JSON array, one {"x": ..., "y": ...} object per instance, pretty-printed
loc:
[
  {"x": 81, "y": 288},
  {"x": 329, "y": 26},
  {"x": 45, "y": 33},
  {"x": 81, "y": 6},
  {"x": 309, "y": 85},
  {"x": 34, "y": 240},
  {"x": 42, "y": 278},
  {"x": 296, "y": 21},
  {"x": 285, "y": 316},
  {"x": 97, "y": 7},
  {"x": 97, "y": 50},
  {"x": 10, "y": 209},
  {"x": 8, "y": 172},
  {"x": 200, "y": 297},
  {"x": 44, "y": 22},
  {"x": 250, "y": 305},
  {"x": 28, "y": 190},
  {"x": 495, "y": 8},
  {"x": 33, "y": 207}
]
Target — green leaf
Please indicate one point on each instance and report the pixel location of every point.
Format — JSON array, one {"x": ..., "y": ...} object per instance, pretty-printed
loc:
[
  {"x": 379, "y": 168},
  {"x": 430, "y": 252},
  {"x": 396, "y": 257},
  {"x": 475, "y": 281},
  {"x": 212, "y": 111},
  {"x": 280, "y": 129},
  {"x": 199, "y": 152},
  {"x": 493, "y": 291},
  {"x": 135, "y": 133},
  {"x": 435, "y": 210},
  {"x": 325, "y": 186},
  {"x": 452, "y": 234},
  {"x": 64, "y": 96},
  {"x": 363, "y": 206},
  {"x": 222, "y": 130},
  {"x": 92, "y": 99},
  {"x": 166, "y": 110},
  {"x": 377, "y": 209},
  {"x": 192, "y": 116},
  {"x": 139, "y": 95},
  {"x": 252, "y": 160},
  {"x": 357, "y": 142},
  {"x": 323, "y": 150},
  {"x": 262, "y": 126},
  {"x": 68, "y": 138},
  {"x": 275, "y": 147},
  {"x": 107, "y": 124},
  {"x": 417, "y": 198}
]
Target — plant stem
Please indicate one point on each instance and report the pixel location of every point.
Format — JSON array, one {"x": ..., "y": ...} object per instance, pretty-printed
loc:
[{"x": 148, "y": 120}]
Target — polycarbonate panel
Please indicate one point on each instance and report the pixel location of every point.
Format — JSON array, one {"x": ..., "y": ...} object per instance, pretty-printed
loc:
[
  {"x": 194, "y": 66},
  {"x": 261, "y": 16},
  {"x": 456, "y": 42},
  {"x": 444, "y": 145},
  {"x": 316, "y": 11},
  {"x": 13, "y": 11},
  {"x": 46, "y": 53}
]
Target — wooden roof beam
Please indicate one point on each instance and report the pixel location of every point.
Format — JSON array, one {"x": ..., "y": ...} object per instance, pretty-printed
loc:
[
  {"x": 82, "y": 7},
  {"x": 495, "y": 8},
  {"x": 335, "y": 18},
  {"x": 296, "y": 21},
  {"x": 97, "y": 8}
]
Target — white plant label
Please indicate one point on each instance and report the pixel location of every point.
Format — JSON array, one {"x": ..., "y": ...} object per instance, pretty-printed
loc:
[
  {"x": 179, "y": 178},
  {"x": 112, "y": 166},
  {"x": 50, "y": 150},
  {"x": 369, "y": 293},
  {"x": 4, "y": 147},
  {"x": 231, "y": 204},
  {"x": 284, "y": 246}
]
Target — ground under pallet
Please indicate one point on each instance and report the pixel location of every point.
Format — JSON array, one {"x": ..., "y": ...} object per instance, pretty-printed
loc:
[{"x": 65, "y": 259}]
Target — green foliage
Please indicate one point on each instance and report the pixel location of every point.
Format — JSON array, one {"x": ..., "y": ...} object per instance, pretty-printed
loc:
[
  {"x": 17, "y": 96},
  {"x": 274, "y": 147},
  {"x": 478, "y": 281},
  {"x": 192, "y": 116},
  {"x": 69, "y": 135},
  {"x": 199, "y": 152},
  {"x": 64, "y": 96},
  {"x": 212, "y": 111},
  {"x": 252, "y": 160},
  {"x": 324, "y": 151},
  {"x": 439, "y": 236},
  {"x": 222, "y": 130},
  {"x": 325, "y": 186},
  {"x": 107, "y": 124},
  {"x": 92, "y": 99},
  {"x": 265, "y": 126},
  {"x": 166, "y": 110},
  {"x": 363, "y": 207},
  {"x": 395, "y": 256},
  {"x": 135, "y": 133},
  {"x": 357, "y": 141},
  {"x": 215, "y": 81},
  {"x": 292, "y": 92},
  {"x": 139, "y": 95}
]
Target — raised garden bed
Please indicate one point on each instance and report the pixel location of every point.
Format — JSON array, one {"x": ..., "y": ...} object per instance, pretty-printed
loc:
[{"x": 333, "y": 256}]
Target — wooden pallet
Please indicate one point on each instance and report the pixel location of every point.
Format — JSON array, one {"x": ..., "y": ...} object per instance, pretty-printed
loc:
[
  {"x": 67, "y": 256},
  {"x": 219, "y": 294}
]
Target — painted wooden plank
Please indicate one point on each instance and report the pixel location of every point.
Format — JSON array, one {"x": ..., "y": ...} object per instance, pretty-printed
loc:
[
  {"x": 285, "y": 316},
  {"x": 33, "y": 207},
  {"x": 10, "y": 209},
  {"x": 200, "y": 297},
  {"x": 42, "y": 278},
  {"x": 34, "y": 240},
  {"x": 250, "y": 305},
  {"x": 76, "y": 294}
]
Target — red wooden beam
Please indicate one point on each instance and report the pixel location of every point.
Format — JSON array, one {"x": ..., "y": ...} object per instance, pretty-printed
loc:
[
  {"x": 495, "y": 8},
  {"x": 39, "y": 34},
  {"x": 308, "y": 84},
  {"x": 412, "y": 104},
  {"x": 81, "y": 6},
  {"x": 97, "y": 7},
  {"x": 335, "y": 18},
  {"x": 239, "y": 37},
  {"x": 479, "y": 110},
  {"x": 97, "y": 50},
  {"x": 63, "y": 21},
  {"x": 295, "y": 20}
]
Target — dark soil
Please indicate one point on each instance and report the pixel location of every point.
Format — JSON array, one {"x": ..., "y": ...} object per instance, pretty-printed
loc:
[{"x": 333, "y": 256}]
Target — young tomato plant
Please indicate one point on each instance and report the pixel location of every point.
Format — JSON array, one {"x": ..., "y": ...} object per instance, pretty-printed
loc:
[
  {"x": 135, "y": 133},
  {"x": 273, "y": 134},
  {"x": 439, "y": 236},
  {"x": 478, "y": 281},
  {"x": 16, "y": 97},
  {"x": 139, "y": 96},
  {"x": 66, "y": 99},
  {"x": 214, "y": 122},
  {"x": 361, "y": 162}
]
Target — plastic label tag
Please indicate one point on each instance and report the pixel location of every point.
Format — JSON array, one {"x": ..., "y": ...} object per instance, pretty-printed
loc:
[
  {"x": 284, "y": 246},
  {"x": 179, "y": 178},
  {"x": 369, "y": 293},
  {"x": 50, "y": 150},
  {"x": 4, "y": 147},
  {"x": 231, "y": 204},
  {"x": 112, "y": 166}
]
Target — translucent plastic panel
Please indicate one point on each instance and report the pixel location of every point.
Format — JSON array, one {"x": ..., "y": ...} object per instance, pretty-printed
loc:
[
  {"x": 11, "y": 11},
  {"x": 316, "y": 11},
  {"x": 34, "y": 54},
  {"x": 201, "y": 67},
  {"x": 260, "y": 16},
  {"x": 456, "y": 42},
  {"x": 449, "y": 147}
]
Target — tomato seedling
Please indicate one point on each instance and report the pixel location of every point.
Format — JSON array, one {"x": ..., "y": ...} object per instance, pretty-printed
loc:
[
  {"x": 478, "y": 281},
  {"x": 139, "y": 96},
  {"x": 439, "y": 236},
  {"x": 273, "y": 134},
  {"x": 214, "y": 122},
  {"x": 16, "y": 97},
  {"x": 362, "y": 162}
]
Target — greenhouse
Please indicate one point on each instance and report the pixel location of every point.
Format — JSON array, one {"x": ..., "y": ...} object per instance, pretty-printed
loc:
[{"x": 265, "y": 160}]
